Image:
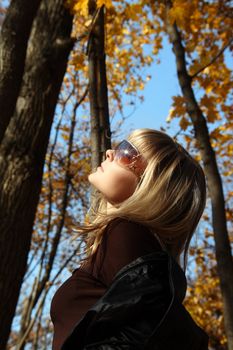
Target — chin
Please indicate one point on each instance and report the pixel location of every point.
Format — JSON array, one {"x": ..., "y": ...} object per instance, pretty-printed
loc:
[
  {"x": 94, "y": 181},
  {"x": 91, "y": 178}
]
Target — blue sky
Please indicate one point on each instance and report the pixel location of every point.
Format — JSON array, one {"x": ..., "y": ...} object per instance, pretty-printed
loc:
[{"x": 158, "y": 94}]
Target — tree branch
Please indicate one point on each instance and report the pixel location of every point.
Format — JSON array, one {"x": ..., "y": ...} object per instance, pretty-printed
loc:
[
  {"x": 213, "y": 59},
  {"x": 222, "y": 244}
]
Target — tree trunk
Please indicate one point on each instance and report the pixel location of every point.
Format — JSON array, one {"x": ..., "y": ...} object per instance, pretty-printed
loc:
[
  {"x": 222, "y": 244},
  {"x": 23, "y": 148},
  {"x": 43, "y": 277},
  {"x": 13, "y": 45},
  {"x": 98, "y": 92}
]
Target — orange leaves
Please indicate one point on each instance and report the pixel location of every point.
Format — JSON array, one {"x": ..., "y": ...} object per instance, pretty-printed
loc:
[
  {"x": 221, "y": 139},
  {"x": 203, "y": 299},
  {"x": 208, "y": 106},
  {"x": 78, "y": 60},
  {"x": 80, "y": 7},
  {"x": 181, "y": 12},
  {"x": 108, "y": 3},
  {"x": 204, "y": 303},
  {"x": 184, "y": 123},
  {"x": 134, "y": 12},
  {"x": 178, "y": 109},
  {"x": 130, "y": 30},
  {"x": 134, "y": 33},
  {"x": 206, "y": 30}
]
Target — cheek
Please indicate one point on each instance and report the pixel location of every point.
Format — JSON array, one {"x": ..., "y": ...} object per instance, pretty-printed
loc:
[
  {"x": 118, "y": 191},
  {"x": 115, "y": 186}
]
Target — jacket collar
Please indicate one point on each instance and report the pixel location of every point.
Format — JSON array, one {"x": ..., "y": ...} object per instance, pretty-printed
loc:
[{"x": 177, "y": 275}]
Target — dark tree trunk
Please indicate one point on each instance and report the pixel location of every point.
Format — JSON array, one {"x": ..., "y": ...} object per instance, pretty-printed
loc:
[
  {"x": 98, "y": 91},
  {"x": 222, "y": 244},
  {"x": 23, "y": 148},
  {"x": 14, "y": 36}
]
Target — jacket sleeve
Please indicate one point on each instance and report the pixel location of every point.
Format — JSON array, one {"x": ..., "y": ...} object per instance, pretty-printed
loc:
[
  {"x": 129, "y": 312},
  {"x": 139, "y": 311},
  {"x": 110, "y": 346}
]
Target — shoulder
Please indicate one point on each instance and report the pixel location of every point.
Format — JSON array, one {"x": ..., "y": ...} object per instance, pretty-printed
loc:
[
  {"x": 123, "y": 242},
  {"x": 121, "y": 230}
]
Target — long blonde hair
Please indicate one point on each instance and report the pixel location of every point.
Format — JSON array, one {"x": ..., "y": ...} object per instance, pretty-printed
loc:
[{"x": 169, "y": 198}]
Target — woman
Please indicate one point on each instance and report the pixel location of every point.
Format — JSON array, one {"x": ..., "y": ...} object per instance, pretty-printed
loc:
[{"x": 128, "y": 293}]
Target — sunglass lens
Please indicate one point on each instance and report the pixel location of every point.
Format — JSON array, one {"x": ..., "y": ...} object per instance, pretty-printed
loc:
[{"x": 125, "y": 153}]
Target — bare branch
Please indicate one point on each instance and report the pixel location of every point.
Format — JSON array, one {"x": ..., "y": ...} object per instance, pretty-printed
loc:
[
  {"x": 56, "y": 238},
  {"x": 42, "y": 301},
  {"x": 213, "y": 59}
]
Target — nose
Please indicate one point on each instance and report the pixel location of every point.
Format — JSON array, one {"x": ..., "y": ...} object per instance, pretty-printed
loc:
[{"x": 110, "y": 155}]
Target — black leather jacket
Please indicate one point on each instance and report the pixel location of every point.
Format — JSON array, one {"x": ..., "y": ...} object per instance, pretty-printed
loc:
[{"x": 142, "y": 309}]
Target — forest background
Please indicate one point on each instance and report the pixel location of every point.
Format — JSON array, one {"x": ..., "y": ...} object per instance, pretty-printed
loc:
[{"x": 169, "y": 65}]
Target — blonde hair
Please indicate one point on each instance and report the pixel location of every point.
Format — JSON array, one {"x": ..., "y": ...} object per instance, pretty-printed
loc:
[{"x": 169, "y": 198}]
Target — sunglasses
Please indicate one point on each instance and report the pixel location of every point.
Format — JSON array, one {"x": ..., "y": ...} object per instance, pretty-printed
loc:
[{"x": 127, "y": 155}]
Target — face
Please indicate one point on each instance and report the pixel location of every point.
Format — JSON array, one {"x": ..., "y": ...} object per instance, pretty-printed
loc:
[{"x": 115, "y": 178}]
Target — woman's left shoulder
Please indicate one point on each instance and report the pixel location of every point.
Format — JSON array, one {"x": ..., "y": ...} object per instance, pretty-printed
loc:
[
  {"x": 124, "y": 241},
  {"x": 122, "y": 228}
]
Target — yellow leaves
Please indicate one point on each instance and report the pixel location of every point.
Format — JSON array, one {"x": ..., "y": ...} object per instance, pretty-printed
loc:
[
  {"x": 157, "y": 45},
  {"x": 229, "y": 215},
  {"x": 184, "y": 123},
  {"x": 221, "y": 136},
  {"x": 181, "y": 12},
  {"x": 228, "y": 173},
  {"x": 170, "y": 116},
  {"x": 129, "y": 30},
  {"x": 145, "y": 30},
  {"x": 132, "y": 84},
  {"x": 133, "y": 11},
  {"x": 81, "y": 7},
  {"x": 141, "y": 85},
  {"x": 58, "y": 184},
  {"x": 203, "y": 299},
  {"x": 230, "y": 150},
  {"x": 107, "y": 3},
  {"x": 178, "y": 110},
  {"x": 208, "y": 106},
  {"x": 188, "y": 139},
  {"x": 79, "y": 61},
  {"x": 209, "y": 88},
  {"x": 178, "y": 11},
  {"x": 179, "y": 103},
  {"x": 199, "y": 64},
  {"x": 223, "y": 339}
]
